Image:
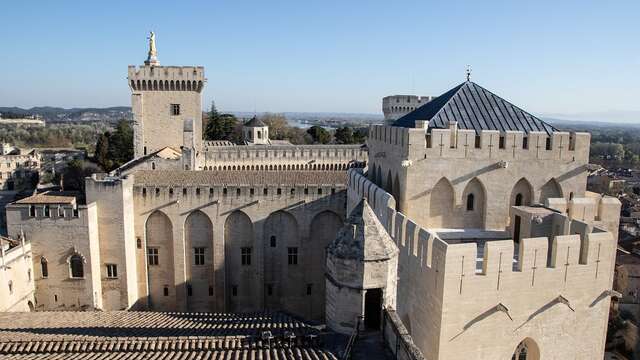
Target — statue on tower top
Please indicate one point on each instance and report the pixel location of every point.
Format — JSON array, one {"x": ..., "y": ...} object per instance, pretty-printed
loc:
[{"x": 152, "y": 59}]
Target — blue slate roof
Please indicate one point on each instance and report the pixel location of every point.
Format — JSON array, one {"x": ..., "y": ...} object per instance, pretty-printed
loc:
[{"x": 474, "y": 108}]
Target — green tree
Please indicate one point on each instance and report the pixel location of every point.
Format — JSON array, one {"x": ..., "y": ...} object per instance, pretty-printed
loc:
[
  {"x": 101, "y": 156},
  {"x": 121, "y": 144},
  {"x": 75, "y": 172},
  {"x": 319, "y": 135},
  {"x": 344, "y": 135},
  {"x": 220, "y": 126}
]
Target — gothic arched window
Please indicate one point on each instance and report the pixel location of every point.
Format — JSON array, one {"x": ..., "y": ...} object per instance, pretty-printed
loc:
[
  {"x": 76, "y": 266},
  {"x": 44, "y": 265},
  {"x": 470, "y": 202},
  {"x": 518, "y": 200}
]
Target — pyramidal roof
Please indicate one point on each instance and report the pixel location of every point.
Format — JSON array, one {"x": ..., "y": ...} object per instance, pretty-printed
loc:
[
  {"x": 255, "y": 122},
  {"x": 363, "y": 237},
  {"x": 474, "y": 108}
]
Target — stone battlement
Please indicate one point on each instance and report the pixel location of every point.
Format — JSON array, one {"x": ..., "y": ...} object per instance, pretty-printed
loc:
[
  {"x": 555, "y": 254},
  {"x": 166, "y": 78},
  {"x": 418, "y": 143}
]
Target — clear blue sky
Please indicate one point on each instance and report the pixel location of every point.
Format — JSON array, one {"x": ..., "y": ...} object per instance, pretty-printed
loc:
[{"x": 331, "y": 56}]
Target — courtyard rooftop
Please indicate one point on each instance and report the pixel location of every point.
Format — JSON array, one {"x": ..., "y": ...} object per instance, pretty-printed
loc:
[{"x": 125, "y": 335}]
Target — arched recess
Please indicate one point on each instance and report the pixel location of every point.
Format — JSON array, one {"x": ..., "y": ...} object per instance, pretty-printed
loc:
[
  {"x": 389, "y": 185},
  {"x": 551, "y": 189},
  {"x": 474, "y": 204},
  {"x": 159, "y": 239},
  {"x": 527, "y": 349},
  {"x": 322, "y": 231},
  {"x": 198, "y": 235},
  {"x": 441, "y": 202},
  {"x": 525, "y": 190},
  {"x": 374, "y": 173},
  {"x": 283, "y": 277},
  {"x": 240, "y": 262},
  {"x": 379, "y": 176}
]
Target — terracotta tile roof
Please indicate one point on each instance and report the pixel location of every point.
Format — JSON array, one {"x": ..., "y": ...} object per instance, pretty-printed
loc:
[
  {"x": 47, "y": 198},
  {"x": 179, "y": 177},
  {"x": 126, "y": 335}
]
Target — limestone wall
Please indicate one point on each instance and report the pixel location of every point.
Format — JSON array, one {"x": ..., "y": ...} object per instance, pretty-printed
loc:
[
  {"x": 277, "y": 157},
  {"x": 113, "y": 198},
  {"x": 431, "y": 174},
  {"x": 154, "y": 90},
  {"x": 306, "y": 217},
  {"x": 56, "y": 239},
  {"x": 16, "y": 278},
  {"x": 456, "y": 301}
]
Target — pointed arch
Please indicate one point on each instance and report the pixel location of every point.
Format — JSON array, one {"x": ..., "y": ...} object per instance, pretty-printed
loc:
[
  {"x": 527, "y": 349},
  {"x": 198, "y": 235},
  {"x": 240, "y": 262},
  {"x": 155, "y": 84},
  {"x": 378, "y": 180},
  {"x": 374, "y": 173},
  {"x": 474, "y": 197},
  {"x": 322, "y": 231},
  {"x": 441, "y": 201},
  {"x": 389, "y": 184},
  {"x": 281, "y": 238},
  {"x": 396, "y": 192},
  {"x": 521, "y": 194},
  {"x": 551, "y": 189},
  {"x": 159, "y": 240}
]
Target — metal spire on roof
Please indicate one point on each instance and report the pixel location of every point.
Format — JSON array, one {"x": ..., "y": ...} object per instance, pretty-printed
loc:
[{"x": 468, "y": 72}]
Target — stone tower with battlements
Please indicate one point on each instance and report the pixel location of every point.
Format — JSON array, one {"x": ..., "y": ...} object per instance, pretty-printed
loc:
[{"x": 162, "y": 99}]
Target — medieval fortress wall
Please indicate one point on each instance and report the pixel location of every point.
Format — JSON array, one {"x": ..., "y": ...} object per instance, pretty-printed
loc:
[
  {"x": 396, "y": 106},
  {"x": 430, "y": 173},
  {"x": 448, "y": 293}
]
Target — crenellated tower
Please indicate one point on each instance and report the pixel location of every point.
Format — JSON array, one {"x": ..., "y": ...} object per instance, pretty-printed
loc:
[{"x": 163, "y": 98}]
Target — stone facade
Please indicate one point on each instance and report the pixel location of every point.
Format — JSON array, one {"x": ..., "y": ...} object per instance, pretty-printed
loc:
[
  {"x": 396, "y": 106},
  {"x": 16, "y": 276}
]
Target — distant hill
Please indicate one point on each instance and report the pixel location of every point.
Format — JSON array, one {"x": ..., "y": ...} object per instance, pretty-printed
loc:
[
  {"x": 589, "y": 124},
  {"x": 56, "y": 114}
]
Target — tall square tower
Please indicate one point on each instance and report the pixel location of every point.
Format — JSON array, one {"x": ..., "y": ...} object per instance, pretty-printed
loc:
[{"x": 163, "y": 98}]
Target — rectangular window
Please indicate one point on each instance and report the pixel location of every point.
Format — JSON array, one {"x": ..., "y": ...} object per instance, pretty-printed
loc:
[
  {"x": 548, "y": 145},
  {"x": 165, "y": 291},
  {"x": 309, "y": 286},
  {"x": 175, "y": 109},
  {"x": 47, "y": 211},
  {"x": 75, "y": 212},
  {"x": 32, "y": 211},
  {"x": 234, "y": 290},
  {"x": 245, "y": 256},
  {"x": 198, "y": 254},
  {"x": 525, "y": 142},
  {"x": 477, "y": 142},
  {"x": 269, "y": 289},
  {"x": 210, "y": 290},
  {"x": 292, "y": 255},
  {"x": 112, "y": 271},
  {"x": 501, "y": 142},
  {"x": 152, "y": 256}
]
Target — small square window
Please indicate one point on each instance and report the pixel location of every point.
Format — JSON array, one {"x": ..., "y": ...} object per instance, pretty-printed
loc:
[
  {"x": 292, "y": 255},
  {"x": 112, "y": 271},
  {"x": 245, "y": 256},
  {"x": 152, "y": 256},
  {"x": 198, "y": 254},
  {"x": 165, "y": 290},
  {"x": 175, "y": 109}
]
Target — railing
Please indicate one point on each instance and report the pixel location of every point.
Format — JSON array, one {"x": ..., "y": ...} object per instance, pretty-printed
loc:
[
  {"x": 352, "y": 340},
  {"x": 397, "y": 338}
]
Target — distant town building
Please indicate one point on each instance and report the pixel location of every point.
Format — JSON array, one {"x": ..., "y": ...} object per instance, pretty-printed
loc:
[
  {"x": 27, "y": 121},
  {"x": 397, "y": 106}
]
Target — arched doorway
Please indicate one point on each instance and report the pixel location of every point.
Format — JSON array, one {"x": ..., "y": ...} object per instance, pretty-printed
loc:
[
  {"x": 240, "y": 261},
  {"x": 198, "y": 234}
]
